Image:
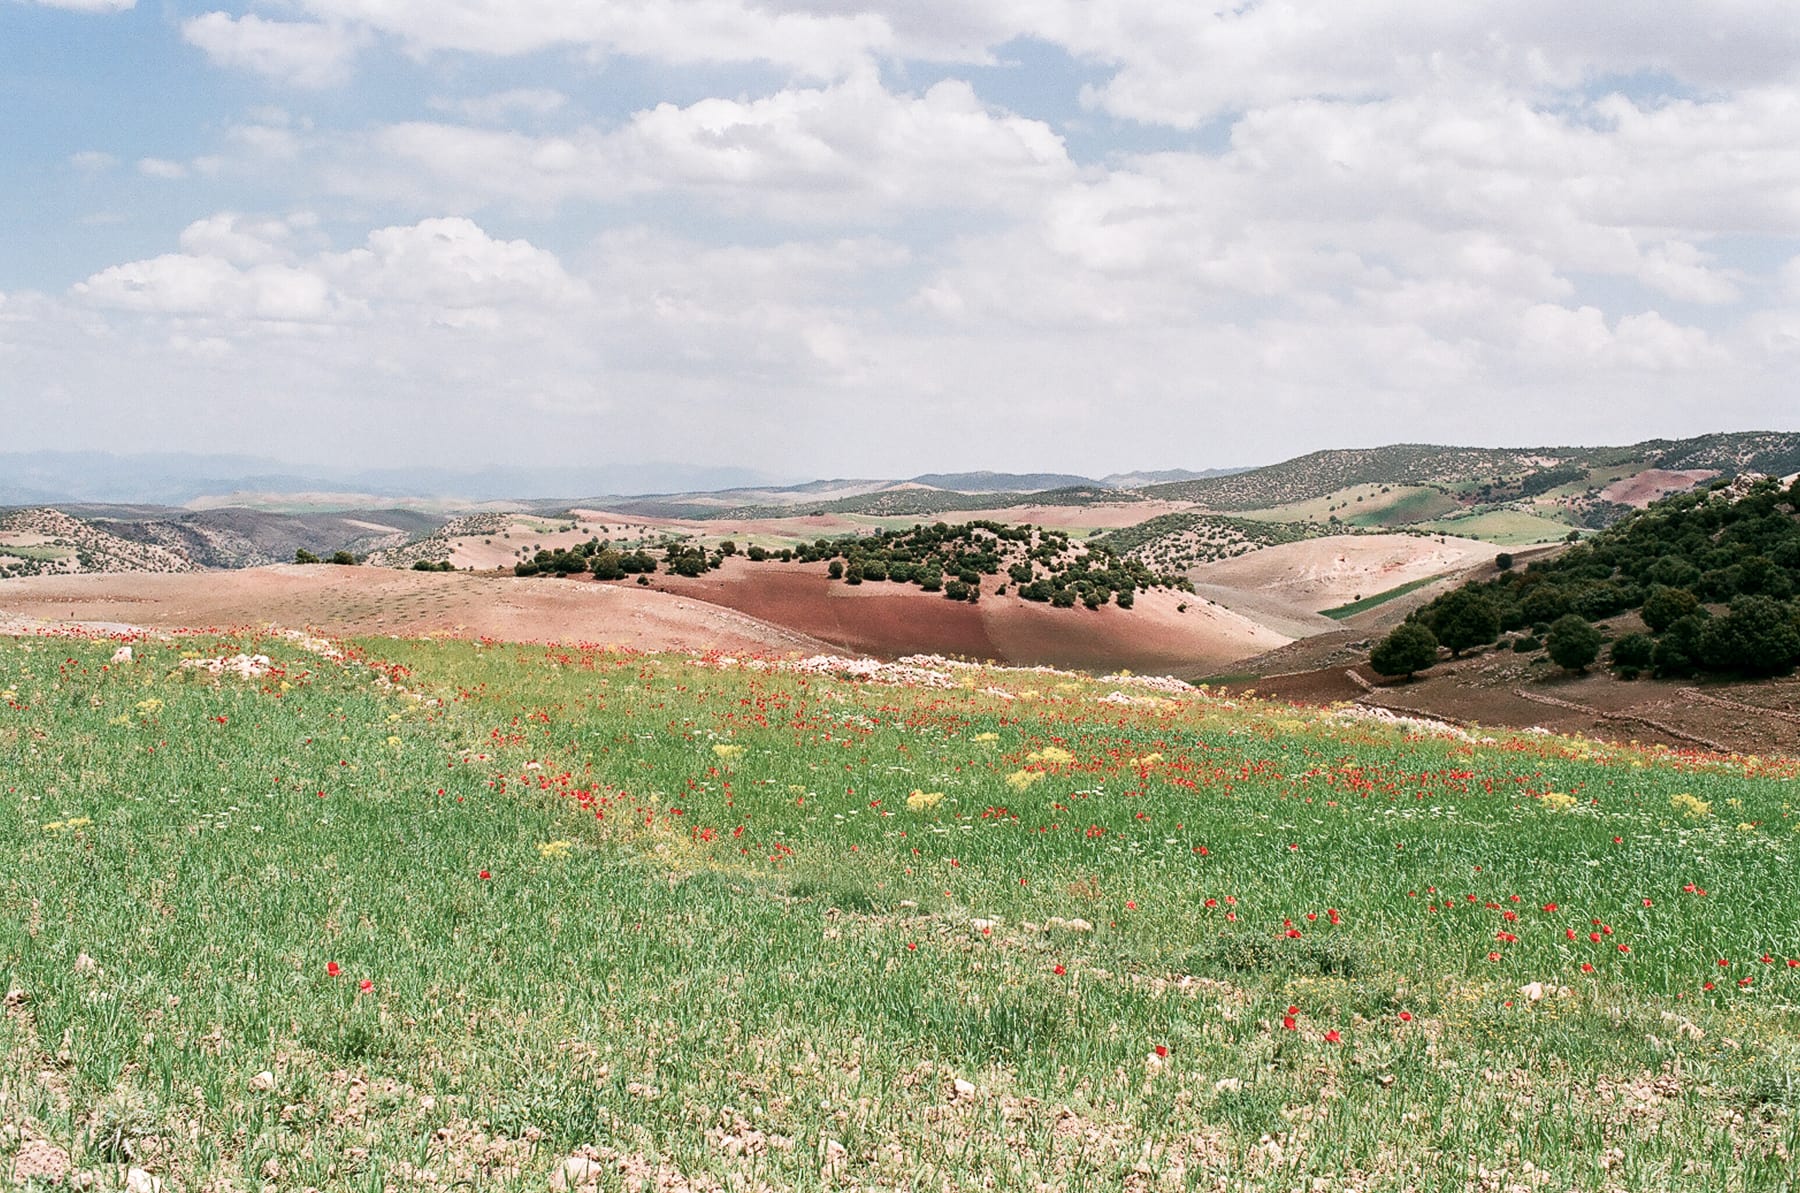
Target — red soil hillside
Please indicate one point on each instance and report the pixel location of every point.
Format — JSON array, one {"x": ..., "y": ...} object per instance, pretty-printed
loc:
[{"x": 888, "y": 620}]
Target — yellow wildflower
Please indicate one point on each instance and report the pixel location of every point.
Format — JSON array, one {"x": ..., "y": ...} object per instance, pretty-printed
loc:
[
  {"x": 724, "y": 751},
  {"x": 1050, "y": 756},
  {"x": 1019, "y": 780},
  {"x": 555, "y": 848},
  {"x": 1690, "y": 806},
  {"x": 1559, "y": 801},
  {"x": 920, "y": 801},
  {"x": 987, "y": 737}
]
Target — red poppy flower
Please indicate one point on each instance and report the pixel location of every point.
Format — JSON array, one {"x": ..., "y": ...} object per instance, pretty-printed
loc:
[
  {"x": 1059, "y": 971},
  {"x": 1332, "y": 1037},
  {"x": 1406, "y": 1016},
  {"x": 484, "y": 875},
  {"x": 1162, "y": 1050},
  {"x": 331, "y": 969},
  {"x": 912, "y": 946},
  {"x": 1624, "y": 948},
  {"x": 1288, "y": 1022},
  {"x": 367, "y": 985},
  {"x": 1587, "y": 967}
]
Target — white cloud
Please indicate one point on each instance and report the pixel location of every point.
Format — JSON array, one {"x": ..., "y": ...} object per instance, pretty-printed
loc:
[
  {"x": 92, "y": 161},
  {"x": 849, "y": 152},
  {"x": 236, "y": 271},
  {"x": 299, "y": 53},
  {"x": 675, "y": 31},
  {"x": 86, "y": 5},
  {"x": 503, "y": 105},
  {"x": 157, "y": 167}
]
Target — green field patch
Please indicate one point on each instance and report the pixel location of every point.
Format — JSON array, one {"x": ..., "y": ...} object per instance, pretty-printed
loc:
[
  {"x": 1506, "y": 527},
  {"x": 41, "y": 554},
  {"x": 475, "y": 908},
  {"x": 1381, "y": 598}
]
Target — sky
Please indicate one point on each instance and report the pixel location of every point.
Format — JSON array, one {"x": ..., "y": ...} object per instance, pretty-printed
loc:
[{"x": 882, "y": 237}]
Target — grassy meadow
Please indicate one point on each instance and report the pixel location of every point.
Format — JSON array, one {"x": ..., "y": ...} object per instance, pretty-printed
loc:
[{"x": 450, "y": 915}]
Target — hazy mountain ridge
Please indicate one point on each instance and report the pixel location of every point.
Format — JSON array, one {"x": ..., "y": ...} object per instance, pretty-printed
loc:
[{"x": 1507, "y": 495}]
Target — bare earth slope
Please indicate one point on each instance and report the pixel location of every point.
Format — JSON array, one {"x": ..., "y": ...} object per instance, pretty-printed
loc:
[
  {"x": 893, "y": 619},
  {"x": 1320, "y": 574},
  {"x": 745, "y": 608},
  {"x": 378, "y": 601}
]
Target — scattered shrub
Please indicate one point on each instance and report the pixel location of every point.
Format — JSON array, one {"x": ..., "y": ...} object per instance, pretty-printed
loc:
[{"x": 1573, "y": 643}]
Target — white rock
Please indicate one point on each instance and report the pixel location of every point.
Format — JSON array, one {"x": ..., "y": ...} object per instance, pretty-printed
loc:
[
  {"x": 576, "y": 1172},
  {"x": 139, "y": 1181},
  {"x": 86, "y": 964},
  {"x": 963, "y": 1089},
  {"x": 1227, "y": 1085},
  {"x": 264, "y": 1081},
  {"x": 122, "y": 655},
  {"x": 1533, "y": 991}
]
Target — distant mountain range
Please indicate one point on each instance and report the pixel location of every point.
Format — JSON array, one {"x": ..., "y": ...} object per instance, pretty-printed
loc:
[
  {"x": 85, "y": 511},
  {"x": 175, "y": 479},
  {"x": 178, "y": 479}
]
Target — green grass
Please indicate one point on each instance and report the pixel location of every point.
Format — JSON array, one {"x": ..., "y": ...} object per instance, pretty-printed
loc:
[
  {"x": 715, "y": 936},
  {"x": 1381, "y": 598},
  {"x": 1507, "y": 527},
  {"x": 39, "y": 554}
]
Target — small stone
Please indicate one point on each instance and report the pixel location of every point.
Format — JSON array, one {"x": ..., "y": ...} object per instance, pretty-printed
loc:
[
  {"x": 122, "y": 655},
  {"x": 86, "y": 964},
  {"x": 17, "y": 998},
  {"x": 963, "y": 1088},
  {"x": 576, "y": 1172},
  {"x": 1227, "y": 1085},
  {"x": 263, "y": 1081},
  {"x": 1533, "y": 991},
  {"x": 139, "y": 1181}
]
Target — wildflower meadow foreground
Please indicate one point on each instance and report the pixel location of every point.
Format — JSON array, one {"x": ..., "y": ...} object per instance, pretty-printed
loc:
[{"x": 284, "y": 914}]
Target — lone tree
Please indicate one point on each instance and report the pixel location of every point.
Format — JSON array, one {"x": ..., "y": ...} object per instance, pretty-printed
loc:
[
  {"x": 1573, "y": 642},
  {"x": 1411, "y": 647}
]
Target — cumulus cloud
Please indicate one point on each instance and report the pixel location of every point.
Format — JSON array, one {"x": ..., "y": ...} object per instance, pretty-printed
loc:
[
  {"x": 817, "y": 44},
  {"x": 86, "y": 5},
  {"x": 846, "y": 152},
  {"x": 1403, "y": 219},
  {"x": 504, "y": 105},
  {"x": 298, "y": 53},
  {"x": 236, "y": 270},
  {"x": 157, "y": 167}
]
